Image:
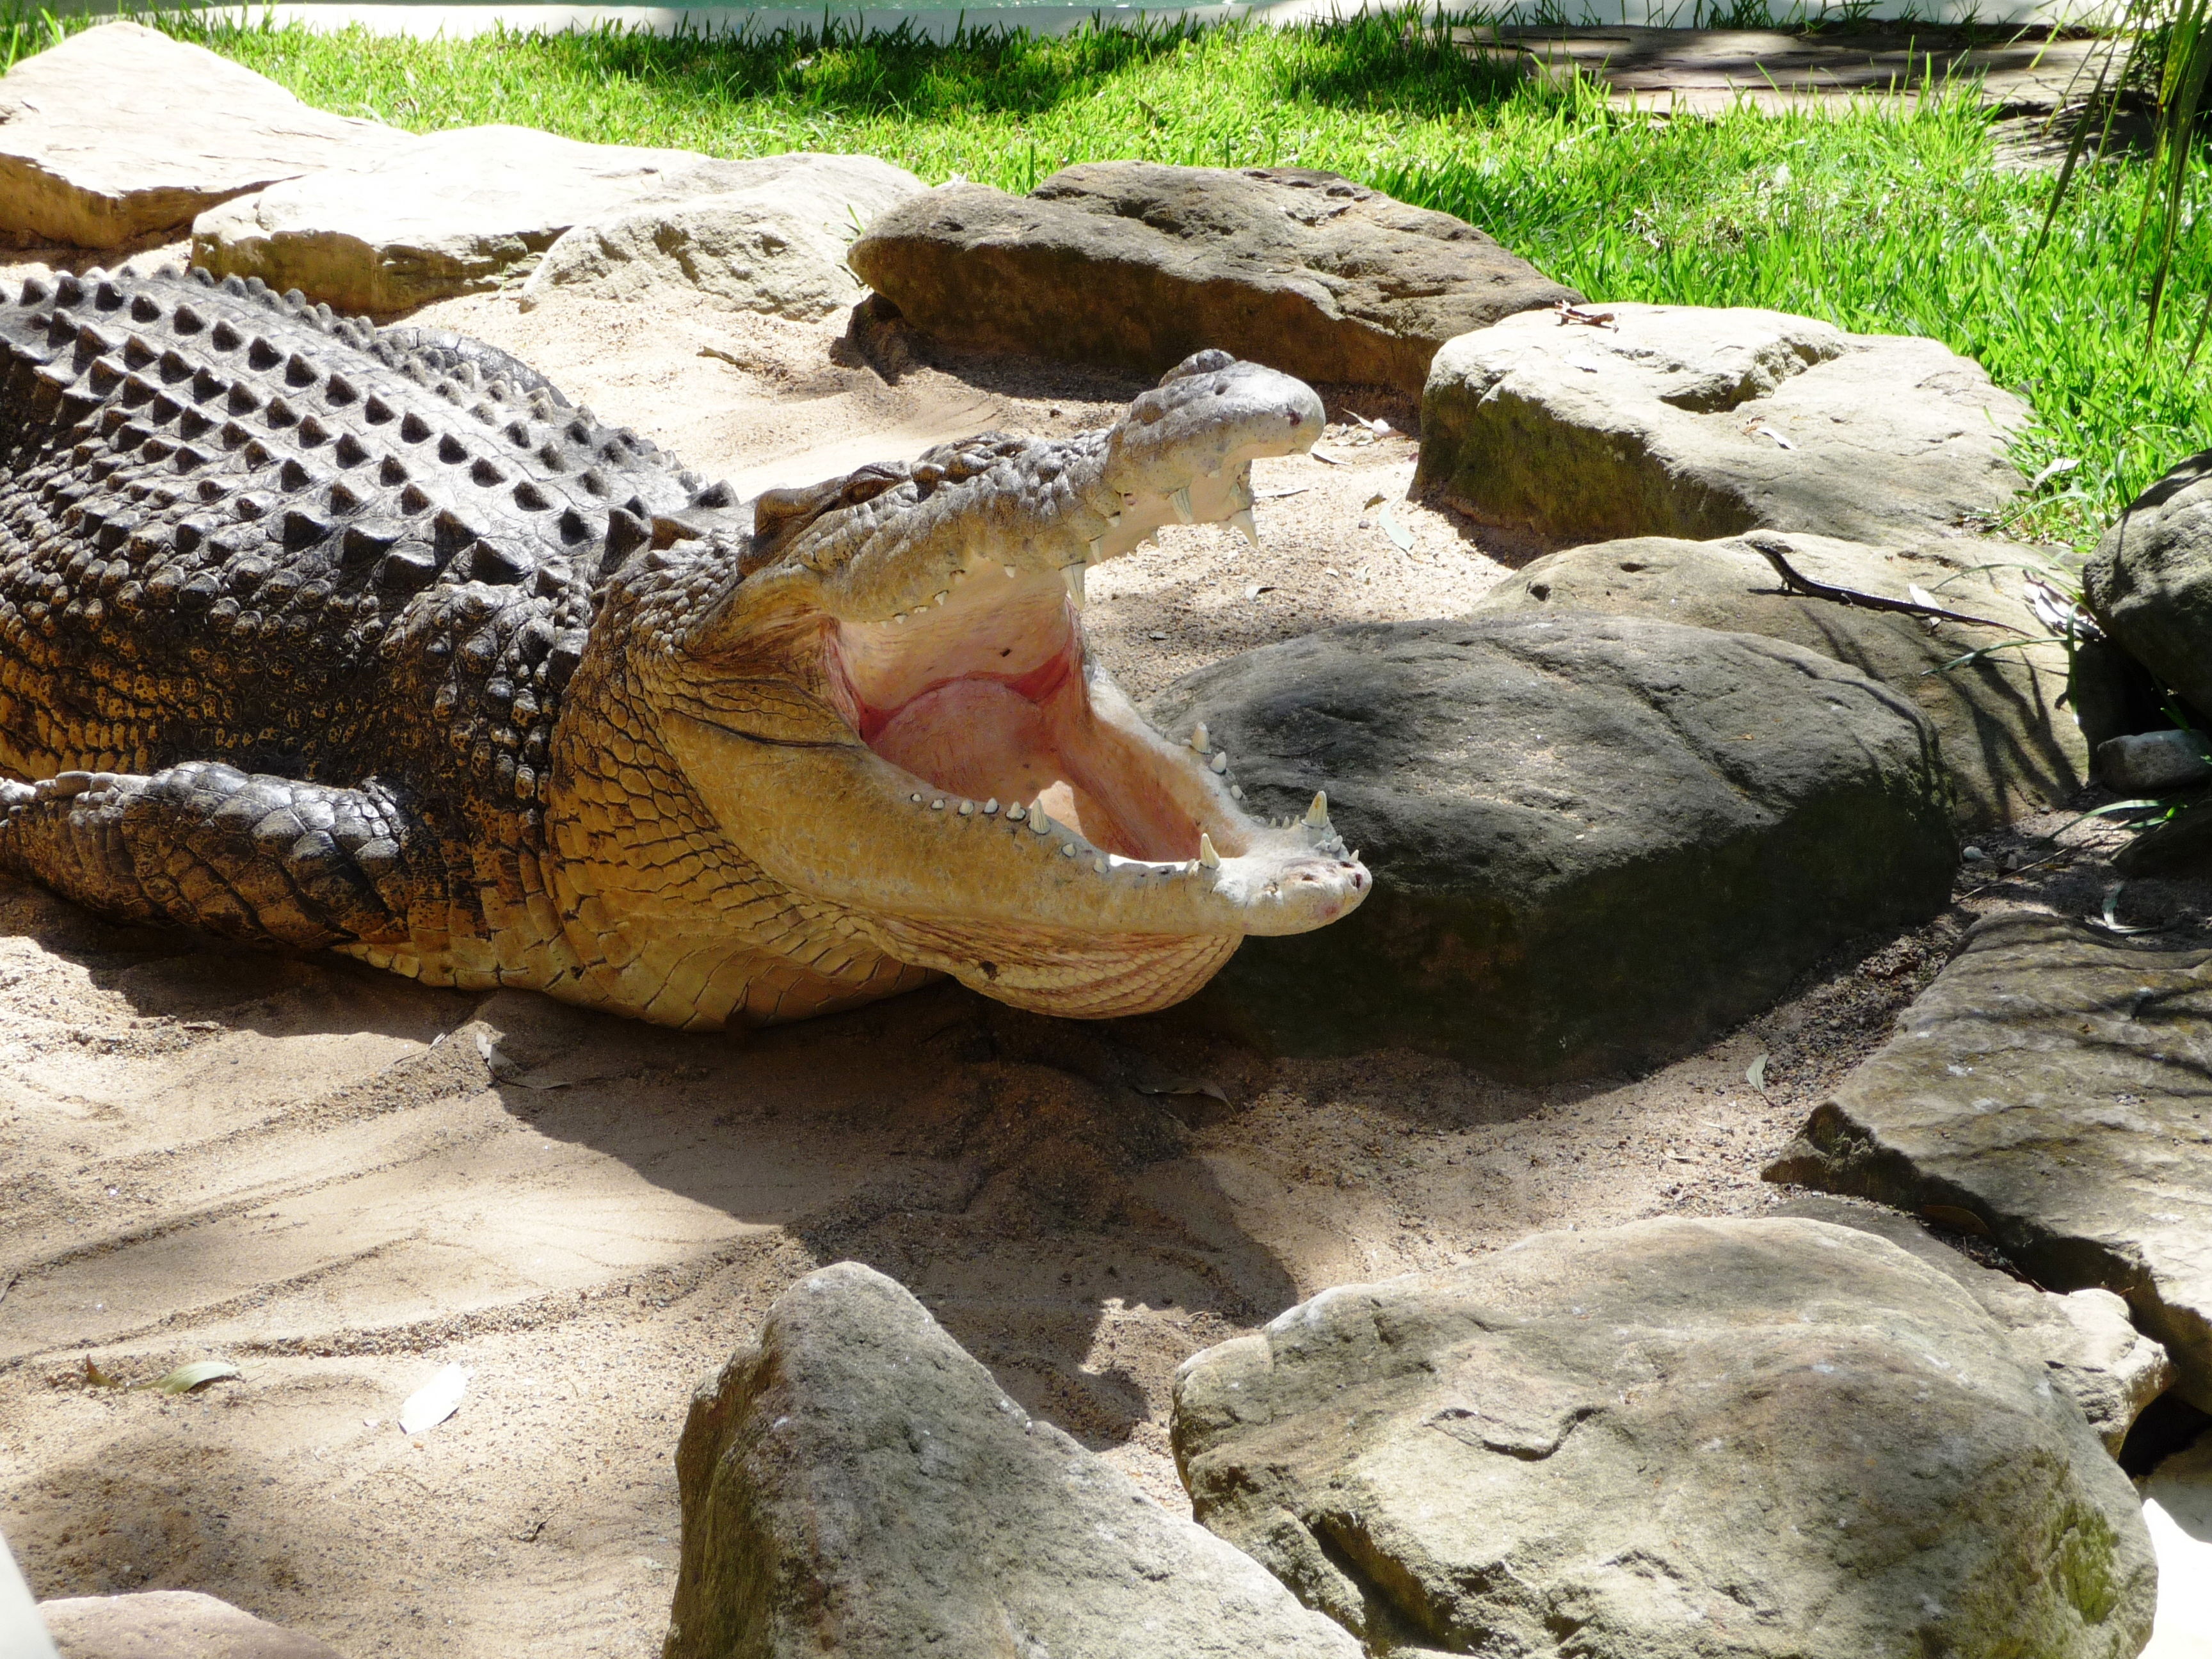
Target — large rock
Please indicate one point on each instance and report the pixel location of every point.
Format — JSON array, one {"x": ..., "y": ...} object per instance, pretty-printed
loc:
[
  {"x": 760, "y": 236},
  {"x": 2009, "y": 747},
  {"x": 1700, "y": 423},
  {"x": 120, "y": 132},
  {"x": 1674, "y": 1439},
  {"x": 857, "y": 1486},
  {"x": 2110, "y": 1369},
  {"x": 170, "y": 1624},
  {"x": 2051, "y": 1083},
  {"x": 2149, "y": 582},
  {"x": 452, "y": 214},
  {"x": 1595, "y": 839},
  {"x": 1134, "y": 265}
]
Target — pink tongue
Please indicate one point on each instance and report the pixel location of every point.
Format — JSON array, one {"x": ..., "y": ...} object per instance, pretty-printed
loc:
[{"x": 973, "y": 738}]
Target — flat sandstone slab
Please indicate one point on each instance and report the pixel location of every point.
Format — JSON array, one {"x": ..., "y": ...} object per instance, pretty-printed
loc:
[
  {"x": 2054, "y": 1085},
  {"x": 453, "y": 213},
  {"x": 1676, "y": 1439},
  {"x": 121, "y": 132},
  {"x": 1130, "y": 265},
  {"x": 1696, "y": 422}
]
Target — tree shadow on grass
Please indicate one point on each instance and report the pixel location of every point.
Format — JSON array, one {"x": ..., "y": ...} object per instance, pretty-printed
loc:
[{"x": 1367, "y": 63}]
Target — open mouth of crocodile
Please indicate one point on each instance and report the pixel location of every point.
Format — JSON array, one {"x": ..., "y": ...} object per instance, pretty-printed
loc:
[{"x": 985, "y": 701}]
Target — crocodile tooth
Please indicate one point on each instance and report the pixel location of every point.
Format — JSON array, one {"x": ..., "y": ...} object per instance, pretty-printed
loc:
[
  {"x": 898, "y": 616},
  {"x": 1113, "y": 521},
  {"x": 1241, "y": 518},
  {"x": 1235, "y": 792},
  {"x": 991, "y": 807},
  {"x": 1011, "y": 572},
  {"x": 936, "y": 805},
  {"x": 1072, "y": 575},
  {"x": 1317, "y": 814},
  {"x": 916, "y": 799},
  {"x": 1207, "y": 857},
  {"x": 1097, "y": 548},
  {"x": 1099, "y": 865},
  {"x": 1199, "y": 739},
  {"x": 1014, "y": 814},
  {"x": 941, "y": 598},
  {"x": 966, "y": 809},
  {"x": 1039, "y": 821},
  {"x": 1220, "y": 762},
  {"x": 1068, "y": 849},
  {"x": 1181, "y": 499}
]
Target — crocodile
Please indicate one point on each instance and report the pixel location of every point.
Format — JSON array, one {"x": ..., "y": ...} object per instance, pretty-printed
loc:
[{"x": 321, "y": 637}]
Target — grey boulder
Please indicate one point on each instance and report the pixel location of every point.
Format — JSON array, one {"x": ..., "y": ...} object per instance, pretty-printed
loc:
[
  {"x": 2050, "y": 1086},
  {"x": 1133, "y": 265},
  {"x": 2149, "y": 582},
  {"x": 1684, "y": 422},
  {"x": 2011, "y": 749},
  {"x": 119, "y": 132},
  {"x": 1677, "y": 1439},
  {"x": 453, "y": 213},
  {"x": 2111, "y": 1370},
  {"x": 767, "y": 235},
  {"x": 170, "y": 1624},
  {"x": 1595, "y": 839},
  {"x": 857, "y": 1485}
]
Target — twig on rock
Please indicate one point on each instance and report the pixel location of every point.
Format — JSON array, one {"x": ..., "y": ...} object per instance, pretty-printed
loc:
[{"x": 1773, "y": 550}]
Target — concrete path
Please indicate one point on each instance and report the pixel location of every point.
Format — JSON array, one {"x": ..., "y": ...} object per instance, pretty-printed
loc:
[{"x": 1703, "y": 71}]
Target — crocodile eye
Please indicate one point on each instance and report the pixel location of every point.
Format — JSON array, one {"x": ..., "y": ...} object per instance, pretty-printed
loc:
[{"x": 869, "y": 483}]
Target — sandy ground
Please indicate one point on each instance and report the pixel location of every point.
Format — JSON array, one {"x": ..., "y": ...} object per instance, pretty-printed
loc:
[{"x": 311, "y": 1169}]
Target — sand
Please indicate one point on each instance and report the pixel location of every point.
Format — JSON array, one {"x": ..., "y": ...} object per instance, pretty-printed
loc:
[{"x": 342, "y": 1182}]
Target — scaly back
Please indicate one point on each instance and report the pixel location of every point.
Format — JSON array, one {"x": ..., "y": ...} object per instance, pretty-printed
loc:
[{"x": 234, "y": 527}]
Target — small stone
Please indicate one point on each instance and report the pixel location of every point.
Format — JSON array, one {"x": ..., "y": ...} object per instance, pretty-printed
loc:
[{"x": 2152, "y": 763}]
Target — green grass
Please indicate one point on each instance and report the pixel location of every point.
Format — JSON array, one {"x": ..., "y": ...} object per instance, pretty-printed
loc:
[{"x": 1879, "y": 224}]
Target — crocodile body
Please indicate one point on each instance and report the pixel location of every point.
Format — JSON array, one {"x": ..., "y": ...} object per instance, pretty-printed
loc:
[{"x": 325, "y": 638}]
